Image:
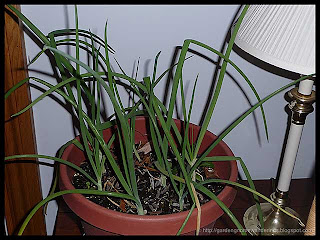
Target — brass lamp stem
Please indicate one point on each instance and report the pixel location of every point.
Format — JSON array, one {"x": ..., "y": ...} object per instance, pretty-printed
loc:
[
  {"x": 275, "y": 221},
  {"x": 280, "y": 198},
  {"x": 301, "y": 105}
]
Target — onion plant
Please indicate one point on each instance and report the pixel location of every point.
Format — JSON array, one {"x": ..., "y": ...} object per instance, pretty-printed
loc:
[{"x": 98, "y": 151}]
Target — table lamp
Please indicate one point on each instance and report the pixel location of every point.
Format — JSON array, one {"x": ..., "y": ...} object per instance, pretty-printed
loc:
[{"x": 283, "y": 36}]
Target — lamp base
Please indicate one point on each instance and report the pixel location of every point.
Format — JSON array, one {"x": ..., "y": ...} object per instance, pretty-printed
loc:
[{"x": 275, "y": 221}]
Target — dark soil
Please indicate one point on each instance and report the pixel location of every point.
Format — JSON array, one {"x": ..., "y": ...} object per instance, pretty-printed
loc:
[{"x": 157, "y": 198}]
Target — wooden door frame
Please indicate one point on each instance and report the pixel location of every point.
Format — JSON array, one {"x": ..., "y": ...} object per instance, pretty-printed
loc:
[{"x": 21, "y": 180}]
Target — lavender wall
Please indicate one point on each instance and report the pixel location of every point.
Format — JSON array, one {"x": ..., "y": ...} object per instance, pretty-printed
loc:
[{"x": 140, "y": 32}]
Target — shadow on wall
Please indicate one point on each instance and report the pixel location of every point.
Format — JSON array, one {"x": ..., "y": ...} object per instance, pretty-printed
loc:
[
  {"x": 216, "y": 67},
  {"x": 214, "y": 78}
]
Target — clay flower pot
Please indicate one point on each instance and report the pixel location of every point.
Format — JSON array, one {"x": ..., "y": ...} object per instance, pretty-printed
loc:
[{"x": 101, "y": 221}]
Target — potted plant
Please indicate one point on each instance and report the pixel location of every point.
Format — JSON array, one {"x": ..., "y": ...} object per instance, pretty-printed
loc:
[{"x": 140, "y": 154}]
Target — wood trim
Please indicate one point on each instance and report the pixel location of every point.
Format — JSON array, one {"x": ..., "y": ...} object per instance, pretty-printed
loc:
[{"x": 22, "y": 180}]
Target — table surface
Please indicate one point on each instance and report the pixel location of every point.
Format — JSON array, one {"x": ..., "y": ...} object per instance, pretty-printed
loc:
[{"x": 301, "y": 195}]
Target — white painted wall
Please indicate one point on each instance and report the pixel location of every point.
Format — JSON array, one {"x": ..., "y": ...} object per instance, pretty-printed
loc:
[{"x": 140, "y": 31}]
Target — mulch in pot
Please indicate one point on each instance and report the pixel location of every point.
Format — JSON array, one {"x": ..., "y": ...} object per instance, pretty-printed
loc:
[{"x": 157, "y": 196}]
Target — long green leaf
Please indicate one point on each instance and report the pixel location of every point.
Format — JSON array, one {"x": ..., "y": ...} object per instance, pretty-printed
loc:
[
  {"x": 16, "y": 86},
  {"x": 62, "y": 61},
  {"x": 82, "y": 32},
  {"x": 83, "y": 128},
  {"x": 243, "y": 116},
  {"x": 62, "y": 71},
  {"x": 186, "y": 220},
  {"x": 187, "y": 121},
  {"x": 30, "y": 25},
  {"x": 156, "y": 139},
  {"x": 241, "y": 73},
  {"x": 125, "y": 129},
  {"x": 74, "y": 191},
  {"x": 252, "y": 191},
  {"x": 51, "y": 90},
  {"x": 96, "y": 132},
  {"x": 175, "y": 150},
  {"x": 54, "y": 159},
  {"x": 123, "y": 123},
  {"x": 248, "y": 176},
  {"x": 208, "y": 117},
  {"x": 222, "y": 205},
  {"x": 56, "y": 170}
]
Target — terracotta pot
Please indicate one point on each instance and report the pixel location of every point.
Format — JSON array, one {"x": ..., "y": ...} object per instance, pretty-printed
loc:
[{"x": 99, "y": 220}]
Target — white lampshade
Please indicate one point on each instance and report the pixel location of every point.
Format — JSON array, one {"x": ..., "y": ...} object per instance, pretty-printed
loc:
[{"x": 281, "y": 35}]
